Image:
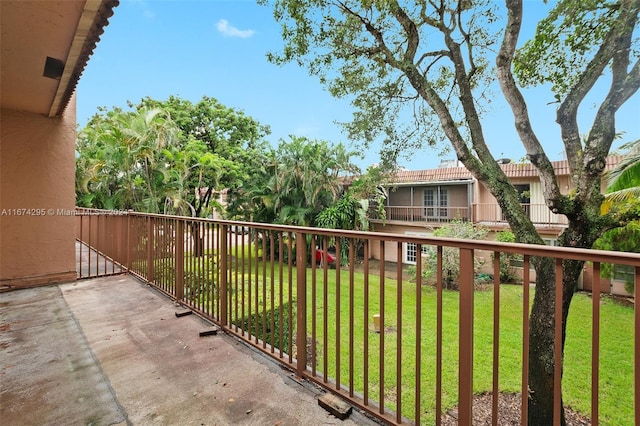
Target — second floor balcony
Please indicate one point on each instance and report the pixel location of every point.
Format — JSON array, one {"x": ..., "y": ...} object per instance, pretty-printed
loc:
[{"x": 482, "y": 213}]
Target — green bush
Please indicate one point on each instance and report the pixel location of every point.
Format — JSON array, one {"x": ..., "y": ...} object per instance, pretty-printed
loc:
[
  {"x": 507, "y": 270},
  {"x": 451, "y": 255}
]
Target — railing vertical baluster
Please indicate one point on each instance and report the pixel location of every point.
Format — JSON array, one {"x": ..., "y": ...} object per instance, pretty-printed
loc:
[
  {"x": 80, "y": 242},
  {"x": 525, "y": 341},
  {"x": 256, "y": 282},
  {"x": 439, "y": 253},
  {"x": 418, "y": 375},
  {"x": 399, "y": 333},
  {"x": 242, "y": 279},
  {"x": 381, "y": 308},
  {"x": 253, "y": 240},
  {"x": 103, "y": 243},
  {"x": 223, "y": 275},
  {"x": 496, "y": 337},
  {"x": 557, "y": 357},
  {"x": 178, "y": 259},
  {"x": 301, "y": 303},
  {"x": 338, "y": 309},
  {"x": 366, "y": 321},
  {"x": 290, "y": 299},
  {"x": 128, "y": 242},
  {"x": 281, "y": 287},
  {"x": 325, "y": 314},
  {"x": 595, "y": 342},
  {"x": 636, "y": 386},
  {"x": 465, "y": 389},
  {"x": 351, "y": 314},
  {"x": 150, "y": 242}
]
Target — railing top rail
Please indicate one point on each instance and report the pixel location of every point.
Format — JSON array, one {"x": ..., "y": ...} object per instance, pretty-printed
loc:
[{"x": 624, "y": 258}]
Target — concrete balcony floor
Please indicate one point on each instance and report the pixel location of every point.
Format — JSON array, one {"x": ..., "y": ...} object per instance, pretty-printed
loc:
[{"x": 110, "y": 351}]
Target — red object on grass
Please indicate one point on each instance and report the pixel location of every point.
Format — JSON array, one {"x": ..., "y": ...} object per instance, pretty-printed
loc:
[{"x": 331, "y": 259}]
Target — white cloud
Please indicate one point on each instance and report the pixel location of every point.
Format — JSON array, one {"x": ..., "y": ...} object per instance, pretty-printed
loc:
[
  {"x": 146, "y": 9},
  {"x": 231, "y": 31},
  {"x": 306, "y": 130}
]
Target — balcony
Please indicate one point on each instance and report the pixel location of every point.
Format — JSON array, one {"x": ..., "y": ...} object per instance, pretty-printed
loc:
[
  {"x": 111, "y": 351},
  {"x": 352, "y": 329},
  {"x": 423, "y": 215},
  {"x": 491, "y": 214},
  {"x": 488, "y": 214}
]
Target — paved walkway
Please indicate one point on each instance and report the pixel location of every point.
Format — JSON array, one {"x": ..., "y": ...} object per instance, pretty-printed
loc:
[{"x": 110, "y": 351}]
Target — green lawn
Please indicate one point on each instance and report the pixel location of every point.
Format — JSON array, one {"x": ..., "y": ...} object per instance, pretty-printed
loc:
[
  {"x": 616, "y": 353},
  {"x": 616, "y": 370}
]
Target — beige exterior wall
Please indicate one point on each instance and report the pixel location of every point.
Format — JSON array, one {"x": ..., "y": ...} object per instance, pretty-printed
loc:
[
  {"x": 37, "y": 171},
  {"x": 390, "y": 248},
  {"x": 402, "y": 197}
]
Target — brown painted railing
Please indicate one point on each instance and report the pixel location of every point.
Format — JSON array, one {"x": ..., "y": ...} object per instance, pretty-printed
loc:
[
  {"x": 271, "y": 287},
  {"x": 539, "y": 214},
  {"x": 101, "y": 242}
]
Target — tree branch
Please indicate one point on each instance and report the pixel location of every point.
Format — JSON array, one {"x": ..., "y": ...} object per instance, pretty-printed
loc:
[
  {"x": 567, "y": 113},
  {"x": 535, "y": 152}
]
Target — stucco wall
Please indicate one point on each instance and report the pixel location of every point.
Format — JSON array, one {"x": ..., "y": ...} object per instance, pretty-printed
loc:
[{"x": 37, "y": 172}]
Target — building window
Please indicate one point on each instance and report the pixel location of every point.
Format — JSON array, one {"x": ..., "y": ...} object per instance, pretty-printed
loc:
[
  {"x": 525, "y": 197},
  {"x": 411, "y": 250},
  {"x": 444, "y": 202},
  {"x": 429, "y": 202},
  {"x": 437, "y": 197},
  {"x": 624, "y": 273}
]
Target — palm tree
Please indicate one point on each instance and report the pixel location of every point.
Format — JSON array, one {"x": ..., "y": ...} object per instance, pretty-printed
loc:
[{"x": 624, "y": 179}]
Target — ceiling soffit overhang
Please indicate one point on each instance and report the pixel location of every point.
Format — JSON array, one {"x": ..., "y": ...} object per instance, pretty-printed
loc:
[
  {"x": 45, "y": 47},
  {"x": 94, "y": 18}
]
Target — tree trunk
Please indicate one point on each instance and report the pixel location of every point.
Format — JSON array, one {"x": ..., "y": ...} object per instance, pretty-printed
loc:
[
  {"x": 198, "y": 239},
  {"x": 542, "y": 336}
]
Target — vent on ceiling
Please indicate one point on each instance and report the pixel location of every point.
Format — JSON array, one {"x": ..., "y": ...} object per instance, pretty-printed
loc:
[{"x": 53, "y": 68}]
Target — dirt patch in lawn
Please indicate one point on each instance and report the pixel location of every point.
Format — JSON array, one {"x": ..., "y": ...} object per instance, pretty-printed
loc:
[
  {"x": 508, "y": 412},
  {"x": 390, "y": 269}
]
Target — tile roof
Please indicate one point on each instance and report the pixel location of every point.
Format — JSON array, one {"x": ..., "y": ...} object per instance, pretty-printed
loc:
[
  {"x": 512, "y": 170},
  {"x": 432, "y": 175}
]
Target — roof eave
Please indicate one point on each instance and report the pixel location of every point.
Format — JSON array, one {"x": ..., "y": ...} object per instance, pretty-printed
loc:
[{"x": 95, "y": 17}]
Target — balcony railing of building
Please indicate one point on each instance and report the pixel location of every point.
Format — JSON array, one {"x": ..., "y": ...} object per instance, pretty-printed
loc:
[
  {"x": 540, "y": 215},
  {"x": 485, "y": 213},
  {"x": 424, "y": 214},
  {"x": 356, "y": 328}
]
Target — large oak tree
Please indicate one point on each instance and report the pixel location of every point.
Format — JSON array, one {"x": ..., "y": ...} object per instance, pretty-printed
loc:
[{"x": 431, "y": 60}]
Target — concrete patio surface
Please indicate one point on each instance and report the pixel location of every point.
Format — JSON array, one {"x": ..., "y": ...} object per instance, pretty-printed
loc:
[{"x": 110, "y": 351}]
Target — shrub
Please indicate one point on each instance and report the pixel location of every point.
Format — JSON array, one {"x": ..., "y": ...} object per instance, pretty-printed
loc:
[
  {"x": 451, "y": 255},
  {"x": 507, "y": 270}
]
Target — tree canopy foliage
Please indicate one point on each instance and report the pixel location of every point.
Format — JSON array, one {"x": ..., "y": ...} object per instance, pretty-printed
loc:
[
  {"x": 163, "y": 156},
  {"x": 421, "y": 72},
  {"x": 174, "y": 156},
  {"x": 292, "y": 183},
  {"x": 623, "y": 200}
]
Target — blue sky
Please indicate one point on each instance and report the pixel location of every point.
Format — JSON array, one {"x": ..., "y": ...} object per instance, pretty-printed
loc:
[{"x": 217, "y": 48}]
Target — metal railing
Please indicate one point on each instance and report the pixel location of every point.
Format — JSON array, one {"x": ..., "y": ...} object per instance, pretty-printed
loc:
[
  {"x": 539, "y": 214},
  {"x": 101, "y": 242},
  {"x": 263, "y": 283},
  {"x": 424, "y": 214}
]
